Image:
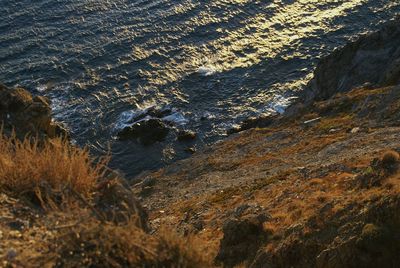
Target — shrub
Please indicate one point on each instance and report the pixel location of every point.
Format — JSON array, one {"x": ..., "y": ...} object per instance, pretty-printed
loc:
[
  {"x": 390, "y": 158},
  {"x": 47, "y": 173},
  {"x": 101, "y": 245}
]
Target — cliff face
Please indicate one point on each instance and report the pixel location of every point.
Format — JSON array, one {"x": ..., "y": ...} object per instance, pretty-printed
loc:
[
  {"x": 313, "y": 189},
  {"x": 316, "y": 187},
  {"x": 373, "y": 58}
]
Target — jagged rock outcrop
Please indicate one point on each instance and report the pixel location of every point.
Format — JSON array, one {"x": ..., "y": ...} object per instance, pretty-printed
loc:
[
  {"x": 373, "y": 58},
  {"x": 147, "y": 131},
  {"x": 27, "y": 114}
]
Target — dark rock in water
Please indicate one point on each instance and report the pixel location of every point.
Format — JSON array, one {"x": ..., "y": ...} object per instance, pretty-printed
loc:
[
  {"x": 373, "y": 58},
  {"x": 242, "y": 239},
  {"x": 233, "y": 130},
  {"x": 153, "y": 112},
  {"x": 186, "y": 135},
  {"x": 146, "y": 131},
  {"x": 253, "y": 122},
  {"x": 25, "y": 114},
  {"x": 159, "y": 112}
]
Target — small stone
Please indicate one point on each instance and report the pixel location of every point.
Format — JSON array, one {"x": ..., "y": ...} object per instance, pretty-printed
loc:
[
  {"x": 186, "y": 135},
  {"x": 355, "y": 130}
]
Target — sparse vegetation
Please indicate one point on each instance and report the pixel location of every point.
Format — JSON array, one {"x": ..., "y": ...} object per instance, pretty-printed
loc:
[
  {"x": 47, "y": 173},
  {"x": 102, "y": 245},
  {"x": 390, "y": 159},
  {"x": 53, "y": 174}
]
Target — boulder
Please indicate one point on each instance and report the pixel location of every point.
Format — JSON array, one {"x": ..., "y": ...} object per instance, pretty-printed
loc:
[
  {"x": 25, "y": 114},
  {"x": 147, "y": 131}
]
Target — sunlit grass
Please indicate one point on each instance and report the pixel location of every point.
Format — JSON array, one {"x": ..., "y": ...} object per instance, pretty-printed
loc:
[{"x": 47, "y": 173}]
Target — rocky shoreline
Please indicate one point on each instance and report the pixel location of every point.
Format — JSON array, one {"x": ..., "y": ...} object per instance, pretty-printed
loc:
[
  {"x": 309, "y": 188},
  {"x": 318, "y": 186}
]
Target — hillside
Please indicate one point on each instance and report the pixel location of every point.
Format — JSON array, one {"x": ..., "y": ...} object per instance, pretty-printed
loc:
[
  {"x": 311, "y": 189},
  {"x": 315, "y": 187}
]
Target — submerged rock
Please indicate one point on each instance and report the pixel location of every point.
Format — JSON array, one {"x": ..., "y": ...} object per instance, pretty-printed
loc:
[{"x": 146, "y": 131}]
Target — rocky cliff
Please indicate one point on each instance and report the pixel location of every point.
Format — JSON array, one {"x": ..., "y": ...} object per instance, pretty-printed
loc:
[
  {"x": 373, "y": 59},
  {"x": 316, "y": 187}
]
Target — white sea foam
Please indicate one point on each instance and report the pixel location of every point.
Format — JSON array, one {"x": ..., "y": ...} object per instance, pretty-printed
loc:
[
  {"x": 41, "y": 88},
  {"x": 176, "y": 118},
  {"x": 206, "y": 70},
  {"x": 279, "y": 104},
  {"x": 127, "y": 118}
]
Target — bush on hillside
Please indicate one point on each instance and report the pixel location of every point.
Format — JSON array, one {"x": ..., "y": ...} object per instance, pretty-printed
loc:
[
  {"x": 49, "y": 173},
  {"x": 102, "y": 245}
]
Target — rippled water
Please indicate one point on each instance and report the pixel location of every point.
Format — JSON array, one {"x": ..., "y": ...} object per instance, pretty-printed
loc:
[{"x": 214, "y": 61}]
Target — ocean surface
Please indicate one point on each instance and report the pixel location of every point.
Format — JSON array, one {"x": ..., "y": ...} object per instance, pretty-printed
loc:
[{"x": 213, "y": 62}]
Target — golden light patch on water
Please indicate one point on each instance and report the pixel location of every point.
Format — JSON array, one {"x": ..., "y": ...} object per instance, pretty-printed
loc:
[{"x": 257, "y": 38}]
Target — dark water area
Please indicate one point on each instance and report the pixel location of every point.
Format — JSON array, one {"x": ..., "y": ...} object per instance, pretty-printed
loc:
[{"x": 214, "y": 62}]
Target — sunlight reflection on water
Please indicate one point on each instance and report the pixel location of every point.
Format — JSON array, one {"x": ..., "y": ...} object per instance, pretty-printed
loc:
[{"x": 225, "y": 59}]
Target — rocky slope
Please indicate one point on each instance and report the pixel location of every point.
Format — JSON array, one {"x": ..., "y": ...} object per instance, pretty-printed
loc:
[
  {"x": 316, "y": 187},
  {"x": 59, "y": 207}
]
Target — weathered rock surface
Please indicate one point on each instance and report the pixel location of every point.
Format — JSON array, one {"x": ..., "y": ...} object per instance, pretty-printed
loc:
[
  {"x": 153, "y": 124},
  {"x": 25, "y": 114},
  {"x": 328, "y": 201},
  {"x": 147, "y": 131},
  {"x": 373, "y": 58}
]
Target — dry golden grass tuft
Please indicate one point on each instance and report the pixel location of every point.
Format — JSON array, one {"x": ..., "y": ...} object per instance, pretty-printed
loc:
[
  {"x": 100, "y": 245},
  {"x": 47, "y": 173}
]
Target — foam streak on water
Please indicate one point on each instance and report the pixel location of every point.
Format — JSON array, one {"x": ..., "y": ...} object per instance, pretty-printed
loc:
[{"x": 98, "y": 59}]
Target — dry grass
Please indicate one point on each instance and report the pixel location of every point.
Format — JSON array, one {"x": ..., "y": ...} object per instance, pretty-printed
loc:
[
  {"x": 47, "y": 173},
  {"x": 102, "y": 245}
]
